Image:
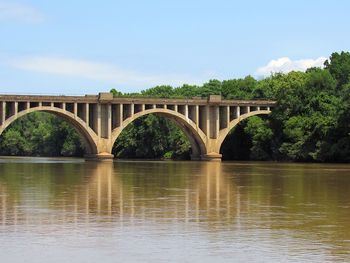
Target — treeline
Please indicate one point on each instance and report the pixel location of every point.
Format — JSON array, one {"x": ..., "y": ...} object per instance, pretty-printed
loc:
[{"x": 309, "y": 123}]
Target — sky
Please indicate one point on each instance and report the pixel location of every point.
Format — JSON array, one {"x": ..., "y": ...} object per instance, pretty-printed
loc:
[{"x": 86, "y": 47}]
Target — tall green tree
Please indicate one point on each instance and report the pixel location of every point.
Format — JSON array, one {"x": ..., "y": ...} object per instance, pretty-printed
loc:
[{"x": 339, "y": 66}]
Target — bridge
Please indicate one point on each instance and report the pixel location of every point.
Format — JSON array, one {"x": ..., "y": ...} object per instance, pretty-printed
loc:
[{"x": 100, "y": 119}]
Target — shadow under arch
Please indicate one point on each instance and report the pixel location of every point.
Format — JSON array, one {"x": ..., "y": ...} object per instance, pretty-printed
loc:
[
  {"x": 223, "y": 133},
  {"x": 87, "y": 135},
  {"x": 194, "y": 134}
]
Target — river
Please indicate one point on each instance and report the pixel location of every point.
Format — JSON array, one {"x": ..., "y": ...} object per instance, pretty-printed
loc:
[{"x": 69, "y": 210}]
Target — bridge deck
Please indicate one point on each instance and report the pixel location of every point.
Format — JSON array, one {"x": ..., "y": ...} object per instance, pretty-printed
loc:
[{"x": 135, "y": 100}]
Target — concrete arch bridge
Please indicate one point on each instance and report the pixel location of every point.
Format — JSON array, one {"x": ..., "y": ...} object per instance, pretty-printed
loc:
[{"x": 100, "y": 119}]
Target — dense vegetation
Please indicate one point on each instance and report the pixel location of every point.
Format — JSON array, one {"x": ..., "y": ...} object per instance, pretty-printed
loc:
[
  {"x": 40, "y": 134},
  {"x": 152, "y": 136},
  {"x": 311, "y": 121}
]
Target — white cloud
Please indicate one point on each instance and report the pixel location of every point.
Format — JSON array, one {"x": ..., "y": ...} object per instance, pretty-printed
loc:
[
  {"x": 96, "y": 71},
  {"x": 286, "y": 65},
  {"x": 19, "y": 12}
]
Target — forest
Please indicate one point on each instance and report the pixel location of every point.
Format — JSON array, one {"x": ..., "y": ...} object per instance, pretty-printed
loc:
[{"x": 310, "y": 123}]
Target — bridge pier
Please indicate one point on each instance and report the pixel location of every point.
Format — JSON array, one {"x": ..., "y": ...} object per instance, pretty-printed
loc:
[
  {"x": 212, "y": 157},
  {"x": 99, "y": 157}
]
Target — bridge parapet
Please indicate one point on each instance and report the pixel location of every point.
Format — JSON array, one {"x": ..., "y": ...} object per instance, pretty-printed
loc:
[{"x": 101, "y": 118}]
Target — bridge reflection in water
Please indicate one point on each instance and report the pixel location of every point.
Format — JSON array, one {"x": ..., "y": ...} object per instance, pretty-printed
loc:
[
  {"x": 114, "y": 192},
  {"x": 305, "y": 201}
]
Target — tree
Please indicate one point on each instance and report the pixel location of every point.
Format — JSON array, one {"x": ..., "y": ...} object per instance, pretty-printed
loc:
[
  {"x": 339, "y": 66},
  {"x": 213, "y": 87},
  {"x": 159, "y": 92},
  {"x": 116, "y": 93},
  {"x": 13, "y": 143},
  {"x": 239, "y": 88},
  {"x": 261, "y": 135}
]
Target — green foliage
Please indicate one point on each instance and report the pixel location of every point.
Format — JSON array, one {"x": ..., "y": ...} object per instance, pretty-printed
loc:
[
  {"x": 13, "y": 143},
  {"x": 261, "y": 135},
  {"x": 187, "y": 91},
  {"x": 152, "y": 136},
  {"x": 116, "y": 93},
  {"x": 213, "y": 87},
  {"x": 40, "y": 134},
  {"x": 339, "y": 66},
  {"x": 159, "y": 92},
  {"x": 307, "y": 114},
  {"x": 239, "y": 88}
]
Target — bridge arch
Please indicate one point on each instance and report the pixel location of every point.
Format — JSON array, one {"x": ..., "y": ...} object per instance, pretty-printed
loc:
[
  {"x": 88, "y": 136},
  {"x": 223, "y": 133},
  {"x": 194, "y": 134}
]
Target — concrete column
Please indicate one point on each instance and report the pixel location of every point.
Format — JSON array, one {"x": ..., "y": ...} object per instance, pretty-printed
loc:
[
  {"x": 28, "y": 105},
  {"x": 3, "y": 112},
  {"x": 132, "y": 109},
  {"x": 248, "y": 109},
  {"x": 16, "y": 108},
  {"x": 217, "y": 121},
  {"x": 52, "y": 105},
  {"x": 186, "y": 112},
  {"x": 143, "y": 107},
  {"x": 63, "y": 105},
  {"x": 98, "y": 116},
  {"x": 109, "y": 121},
  {"x": 258, "y": 108},
  {"x": 227, "y": 116},
  {"x": 165, "y": 106},
  {"x": 121, "y": 114},
  {"x": 238, "y": 112},
  {"x": 87, "y": 114},
  {"x": 154, "y": 106},
  {"x": 207, "y": 122},
  {"x": 268, "y": 108},
  {"x": 40, "y": 104},
  {"x": 175, "y": 108},
  {"x": 197, "y": 115},
  {"x": 75, "y": 109}
]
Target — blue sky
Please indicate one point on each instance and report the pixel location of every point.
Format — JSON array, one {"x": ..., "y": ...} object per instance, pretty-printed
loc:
[{"x": 85, "y": 47}]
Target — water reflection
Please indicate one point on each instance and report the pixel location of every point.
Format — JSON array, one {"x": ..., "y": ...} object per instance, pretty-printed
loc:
[
  {"x": 117, "y": 192},
  {"x": 276, "y": 201}
]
